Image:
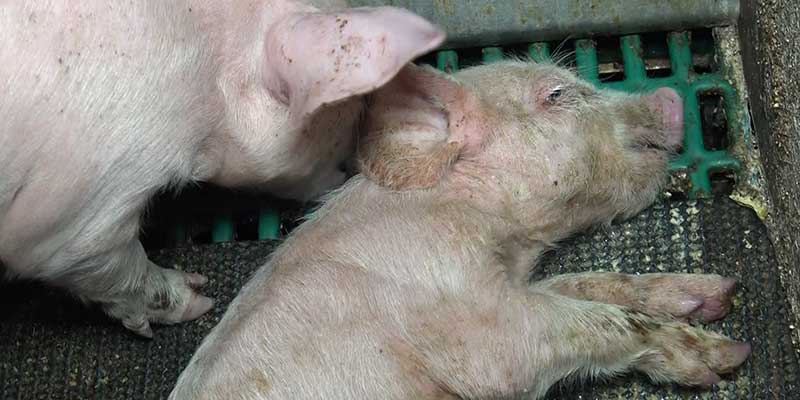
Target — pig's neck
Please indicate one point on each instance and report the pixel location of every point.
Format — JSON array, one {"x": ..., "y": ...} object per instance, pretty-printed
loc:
[
  {"x": 440, "y": 225},
  {"x": 536, "y": 219},
  {"x": 520, "y": 230}
]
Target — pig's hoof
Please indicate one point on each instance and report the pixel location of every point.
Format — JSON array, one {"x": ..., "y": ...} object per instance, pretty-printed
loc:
[
  {"x": 168, "y": 297},
  {"x": 690, "y": 356},
  {"x": 689, "y": 297}
]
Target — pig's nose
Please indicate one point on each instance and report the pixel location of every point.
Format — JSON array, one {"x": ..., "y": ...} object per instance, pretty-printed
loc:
[{"x": 668, "y": 103}]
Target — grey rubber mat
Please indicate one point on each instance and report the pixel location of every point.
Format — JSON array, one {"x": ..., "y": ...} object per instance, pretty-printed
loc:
[{"x": 52, "y": 347}]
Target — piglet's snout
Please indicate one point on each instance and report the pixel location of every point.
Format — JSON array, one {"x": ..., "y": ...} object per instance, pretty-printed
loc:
[{"x": 668, "y": 103}]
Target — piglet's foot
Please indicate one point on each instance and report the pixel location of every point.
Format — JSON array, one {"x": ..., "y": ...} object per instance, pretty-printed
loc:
[
  {"x": 689, "y": 356},
  {"x": 166, "y": 296},
  {"x": 689, "y": 297}
]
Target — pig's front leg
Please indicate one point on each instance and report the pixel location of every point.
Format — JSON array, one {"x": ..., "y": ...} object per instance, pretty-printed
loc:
[
  {"x": 573, "y": 337},
  {"x": 136, "y": 291},
  {"x": 693, "y": 297}
]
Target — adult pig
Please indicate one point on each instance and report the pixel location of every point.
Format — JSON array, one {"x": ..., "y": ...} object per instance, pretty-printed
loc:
[
  {"x": 104, "y": 103},
  {"x": 411, "y": 282}
]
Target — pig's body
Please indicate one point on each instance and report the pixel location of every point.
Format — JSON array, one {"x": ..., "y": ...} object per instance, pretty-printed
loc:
[
  {"x": 106, "y": 103},
  {"x": 410, "y": 283}
]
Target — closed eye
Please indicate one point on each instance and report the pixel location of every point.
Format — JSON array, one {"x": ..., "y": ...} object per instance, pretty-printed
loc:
[{"x": 554, "y": 95}]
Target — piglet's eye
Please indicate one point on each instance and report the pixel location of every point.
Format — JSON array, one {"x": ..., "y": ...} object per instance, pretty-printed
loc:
[{"x": 553, "y": 96}]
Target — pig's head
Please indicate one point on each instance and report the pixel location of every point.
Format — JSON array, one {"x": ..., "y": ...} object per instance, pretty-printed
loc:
[
  {"x": 293, "y": 90},
  {"x": 530, "y": 141}
]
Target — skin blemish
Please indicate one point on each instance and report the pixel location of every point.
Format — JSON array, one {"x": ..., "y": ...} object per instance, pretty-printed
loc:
[
  {"x": 17, "y": 192},
  {"x": 261, "y": 382}
]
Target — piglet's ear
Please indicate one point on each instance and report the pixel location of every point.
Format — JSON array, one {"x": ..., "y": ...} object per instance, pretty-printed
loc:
[
  {"x": 417, "y": 127},
  {"x": 314, "y": 59}
]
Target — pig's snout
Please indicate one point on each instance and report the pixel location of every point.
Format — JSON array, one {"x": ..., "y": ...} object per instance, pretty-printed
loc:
[{"x": 667, "y": 103}]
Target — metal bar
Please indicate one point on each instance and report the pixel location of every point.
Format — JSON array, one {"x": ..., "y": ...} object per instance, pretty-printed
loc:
[{"x": 476, "y": 23}]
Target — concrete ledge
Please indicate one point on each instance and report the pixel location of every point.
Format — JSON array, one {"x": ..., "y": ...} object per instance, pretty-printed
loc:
[{"x": 771, "y": 54}]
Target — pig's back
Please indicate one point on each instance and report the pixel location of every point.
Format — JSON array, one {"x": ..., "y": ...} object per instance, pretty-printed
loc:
[{"x": 94, "y": 94}]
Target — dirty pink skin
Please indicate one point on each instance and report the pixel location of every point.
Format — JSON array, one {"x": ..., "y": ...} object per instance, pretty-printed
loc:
[
  {"x": 411, "y": 282},
  {"x": 105, "y": 103}
]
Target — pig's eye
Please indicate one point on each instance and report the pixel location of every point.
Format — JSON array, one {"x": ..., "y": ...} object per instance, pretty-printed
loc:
[{"x": 552, "y": 98}]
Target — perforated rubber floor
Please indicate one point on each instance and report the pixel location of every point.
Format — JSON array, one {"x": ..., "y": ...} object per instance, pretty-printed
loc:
[{"x": 52, "y": 347}]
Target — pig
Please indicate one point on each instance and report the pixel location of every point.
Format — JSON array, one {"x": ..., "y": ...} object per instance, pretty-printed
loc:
[
  {"x": 412, "y": 280},
  {"x": 106, "y": 103}
]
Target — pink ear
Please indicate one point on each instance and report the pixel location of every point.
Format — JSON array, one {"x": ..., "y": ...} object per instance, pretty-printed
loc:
[
  {"x": 417, "y": 127},
  {"x": 315, "y": 59},
  {"x": 468, "y": 126}
]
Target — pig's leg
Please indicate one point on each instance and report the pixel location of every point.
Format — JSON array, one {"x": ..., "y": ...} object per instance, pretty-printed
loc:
[
  {"x": 537, "y": 338},
  {"x": 589, "y": 338},
  {"x": 136, "y": 291},
  {"x": 693, "y": 297}
]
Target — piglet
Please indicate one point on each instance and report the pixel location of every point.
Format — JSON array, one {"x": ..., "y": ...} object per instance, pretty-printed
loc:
[
  {"x": 411, "y": 282},
  {"x": 106, "y": 103}
]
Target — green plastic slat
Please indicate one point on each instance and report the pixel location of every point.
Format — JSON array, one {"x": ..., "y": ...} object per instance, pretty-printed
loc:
[
  {"x": 632, "y": 58},
  {"x": 680, "y": 55},
  {"x": 447, "y": 61},
  {"x": 586, "y": 58},
  {"x": 222, "y": 228},
  {"x": 269, "y": 224},
  {"x": 539, "y": 52},
  {"x": 492, "y": 54}
]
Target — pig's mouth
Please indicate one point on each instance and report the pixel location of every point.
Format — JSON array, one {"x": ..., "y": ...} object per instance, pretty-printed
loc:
[{"x": 655, "y": 145}]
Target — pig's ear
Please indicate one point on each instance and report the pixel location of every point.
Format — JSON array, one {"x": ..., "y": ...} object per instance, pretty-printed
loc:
[
  {"x": 418, "y": 127},
  {"x": 314, "y": 59}
]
